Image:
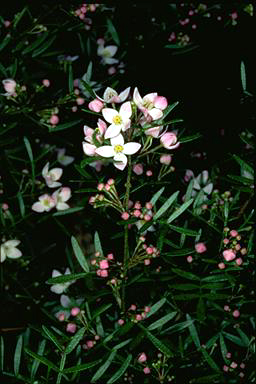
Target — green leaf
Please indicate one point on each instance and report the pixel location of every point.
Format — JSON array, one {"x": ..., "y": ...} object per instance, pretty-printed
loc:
[
  {"x": 97, "y": 244},
  {"x": 88, "y": 74},
  {"x": 158, "y": 343},
  {"x": 44, "y": 46},
  {"x": 184, "y": 287},
  {"x": 186, "y": 275},
  {"x": 113, "y": 32},
  {"x": 65, "y": 278},
  {"x": 121, "y": 370},
  {"x": 52, "y": 337},
  {"x": 186, "y": 297},
  {"x": 36, "y": 43},
  {"x": 234, "y": 339},
  {"x": 81, "y": 367},
  {"x": 122, "y": 344},
  {"x": 18, "y": 16},
  {"x": 223, "y": 349},
  {"x": 79, "y": 254},
  {"x": 215, "y": 278},
  {"x": 243, "y": 75},
  {"x": 180, "y": 210},
  {"x": 70, "y": 78},
  {"x": 36, "y": 363},
  {"x": 186, "y": 231},
  {"x": 180, "y": 252},
  {"x": 2, "y": 353},
  {"x": 166, "y": 205},
  {"x": 193, "y": 332},
  {"x": 155, "y": 307},
  {"x": 21, "y": 204},
  {"x": 102, "y": 309},
  {"x": 156, "y": 196},
  {"x": 61, "y": 127},
  {"x": 30, "y": 155},
  {"x": 162, "y": 321},
  {"x": 68, "y": 211},
  {"x": 104, "y": 367},
  {"x": 5, "y": 41},
  {"x": 243, "y": 164},
  {"x": 243, "y": 337},
  {"x": 186, "y": 139},
  {"x": 179, "y": 327},
  {"x": 209, "y": 360},
  {"x": 17, "y": 355},
  {"x": 42, "y": 360},
  {"x": 74, "y": 341}
]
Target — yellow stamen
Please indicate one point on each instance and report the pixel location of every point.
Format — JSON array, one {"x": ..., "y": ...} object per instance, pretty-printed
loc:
[
  {"x": 118, "y": 148},
  {"x": 117, "y": 119}
]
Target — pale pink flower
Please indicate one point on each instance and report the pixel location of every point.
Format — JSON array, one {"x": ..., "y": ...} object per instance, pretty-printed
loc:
[
  {"x": 225, "y": 368},
  {"x": 111, "y": 96},
  {"x": 233, "y": 365},
  {"x": 90, "y": 343},
  {"x": 121, "y": 322},
  {"x": 200, "y": 247},
  {"x": 103, "y": 264},
  {"x": 52, "y": 176},
  {"x": 151, "y": 104},
  {"x": 165, "y": 159},
  {"x": 8, "y": 249},
  {"x": 60, "y": 197},
  {"x": 119, "y": 121},
  {"x": 110, "y": 256},
  {"x": 9, "y": 86},
  {"x": 95, "y": 105},
  {"x": 107, "y": 53},
  {"x": 147, "y": 309},
  {"x": 118, "y": 150},
  {"x": 233, "y": 233},
  {"x": 142, "y": 357},
  {"x": 62, "y": 158},
  {"x": 111, "y": 70},
  {"x": 229, "y": 255},
  {"x": 138, "y": 169},
  {"x": 103, "y": 273},
  {"x": 154, "y": 131},
  {"x": 89, "y": 149},
  {"x": 133, "y": 307},
  {"x": 169, "y": 140},
  {"x": 45, "y": 204},
  {"x": 7, "y": 23},
  {"x": 147, "y": 261}
]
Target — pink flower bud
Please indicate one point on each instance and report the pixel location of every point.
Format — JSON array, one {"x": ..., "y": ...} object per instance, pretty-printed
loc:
[
  {"x": 46, "y": 83},
  {"x": 236, "y": 313},
  {"x": 96, "y": 105},
  {"x": 111, "y": 182},
  {"x": 225, "y": 368},
  {"x": 142, "y": 357},
  {"x": 7, "y": 23},
  {"x": 147, "y": 261},
  {"x": 242, "y": 365},
  {"x": 80, "y": 101},
  {"x": 138, "y": 169},
  {"x": 103, "y": 273},
  {"x": 228, "y": 355},
  {"x": 125, "y": 215},
  {"x": 239, "y": 261},
  {"x": 75, "y": 311},
  {"x": 225, "y": 241},
  {"x": 90, "y": 344},
  {"x": 146, "y": 370},
  {"x": 120, "y": 321},
  {"x": 221, "y": 266},
  {"x": 147, "y": 217},
  {"x": 189, "y": 259},
  {"x": 169, "y": 140},
  {"x": 100, "y": 41},
  {"x": 137, "y": 213},
  {"x": 138, "y": 317},
  {"x": 149, "y": 173},
  {"x": 110, "y": 256},
  {"x": 104, "y": 264},
  {"x": 71, "y": 328},
  {"x": 200, "y": 247},
  {"x": 54, "y": 119},
  {"x": 165, "y": 159},
  {"x": 160, "y": 102},
  {"x": 147, "y": 309},
  {"x": 133, "y": 307},
  {"x": 100, "y": 187},
  {"x": 233, "y": 233},
  {"x": 61, "y": 317},
  {"x": 233, "y": 365},
  {"x": 111, "y": 71},
  {"x": 229, "y": 255}
]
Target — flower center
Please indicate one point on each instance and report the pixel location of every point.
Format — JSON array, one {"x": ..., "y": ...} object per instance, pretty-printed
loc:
[
  {"x": 117, "y": 119},
  {"x": 118, "y": 148},
  {"x": 106, "y": 53},
  {"x": 148, "y": 104},
  {"x": 46, "y": 202}
]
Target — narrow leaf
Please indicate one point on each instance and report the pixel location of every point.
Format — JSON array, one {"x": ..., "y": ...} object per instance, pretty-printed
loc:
[
  {"x": 180, "y": 210},
  {"x": 186, "y": 275},
  {"x": 42, "y": 360},
  {"x": 121, "y": 370},
  {"x": 36, "y": 363},
  {"x": 79, "y": 254},
  {"x": 75, "y": 340},
  {"x": 113, "y": 32},
  {"x": 82, "y": 367},
  {"x": 156, "y": 196},
  {"x": 2, "y": 353},
  {"x": 68, "y": 211},
  {"x": 162, "y": 321},
  {"x": 193, "y": 333},
  {"x": 52, "y": 337},
  {"x": 97, "y": 244},
  {"x": 243, "y": 75},
  {"x": 104, "y": 367},
  {"x": 156, "y": 307},
  {"x": 158, "y": 344},
  {"x": 17, "y": 355},
  {"x": 166, "y": 205},
  {"x": 209, "y": 360},
  {"x": 65, "y": 278}
]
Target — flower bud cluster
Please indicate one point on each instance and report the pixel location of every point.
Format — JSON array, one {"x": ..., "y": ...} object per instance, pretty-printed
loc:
[
  {"x": 102, "y": 264},
  {"x": 109, "y": 198},
  {"x": 234, "y": 250}
]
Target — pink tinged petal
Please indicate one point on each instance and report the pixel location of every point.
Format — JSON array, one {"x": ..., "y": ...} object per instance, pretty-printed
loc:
[
  {"x": 89, "y": 149},
  {"x": 131, "y": 148},
  {"x": 100, "y": 50},
  {"x": 109, "y": 94},
  {"x": 43, "y": 197},
  {"x": 205, "y": 176},
  {"x": 13, "y": 253},
  {"x": 67, "y": 272},
  {"x": 126, "y": 110},
  {"x": 38, "y": 207},
  {"x": 110, "y": 60},
  {"x": 62, "y": 206},
  {"x": 45, "y": 170},
  {"x": 208, "y": 188},
  {"x": 123, "y": 95},
  {"x": 112, "y": 131},
  {"x": 65, "y": 301},
  {"x": 105, "y": 151},
  {"x": 56, "y": 173},
  {"x": 88, "y": 131},
  {"x": 196, "y": 185},
  {"x": 117, "y": 140},
  {"x": 56, "y": 273},
  {"x": 154, "y": 132},
  {"x": 66, "y": 160},
  {"x": 53, "y": 184},
  {"x": 160, "y": 102},
  {"x": 12, "y": 243},
  {"x": 120, "y": 161},
  {"x": 112, "y": 49},
  {"x": 137, "y": 97},
  {"x": 65, "y": 194},
  {"x": 102, "y": 126},
  {"x": 109, "y": 114},
  {"x": 95, "y": 105},
  {"x": 2, "y": 254},
  {"x": 126, "y": 125},
  {"x": 150, "y": 97},
  {"x": 155, "y": 113}
]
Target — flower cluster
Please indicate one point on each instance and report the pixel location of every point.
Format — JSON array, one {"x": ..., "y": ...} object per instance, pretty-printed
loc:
[
  {"x": 132, "y": 119},
  {"x": 233, "y": 246},
  {"x": 60, "y": 196}
]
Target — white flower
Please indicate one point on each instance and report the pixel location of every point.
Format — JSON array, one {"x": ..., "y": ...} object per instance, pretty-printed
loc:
[
  {"x": 118, "y": 150},
  {"x": 60, "y": 197},
  {"x": 107, "y": 53},
  {"x": 52, "y": 176},
  {"x": 8, "y": 249},
  {"x": 61, "y": 287},
  {"x": 111, "y": 96},
  {"x": 151, "y": 104},
  {"x": 64, "y": 159},
  {"x": 120, "y": 121},
  {"x": 9, "y": 86},
  {"x": 45, "y": 203}
]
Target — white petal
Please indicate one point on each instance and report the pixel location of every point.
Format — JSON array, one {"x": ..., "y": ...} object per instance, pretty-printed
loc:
[
  {"x": 109, "y": 94},
  {"x": 38, "y": 207},
  {"x": 121, "y": 161},
  {"x": 65, "y": 193},
  {"x": 13, "y": 253},
  {"x": 155, "y": 113},
  {"x": 111, "y": 49},
  {"x": 126, "y": 110},
  {"x": 45, "y": 170},
  {"x": 131, "y": 148},
  {"x": 100, "y": 50},
  {"x": 205, "y": 176},
  {"x": 208, "y": 188},
  {"x": 56, "y": 273},
  {"x": 137, "y": 97},
  {"x": 89, "y": 149},
  {"x": 109, "y": 114},
  {"x": 65, "y": 301},
  {"x": 67, "y": 272},
  {"x": 2, "y": 254},
  {"x": 110, "y": 60},
  {"x": 105, "y": 151},
  {"x": 62, "y": 206},
  {"x": 53, "y": 184},
  {"x": 57, "y": 288},
  {"x": 117, "y": 140},
  {"x": 112, "y": 131},
  {"x": 154, "y": 132},
  {"x": 126, "y": 124},
  {"x": 56, "y": 173},
  {"x": 12, "y": 243},
  {"x": 150, "y": 97},
  {"x": 196, "y": 185},
  {"x": 123, "y": 95},
  {"x": 66, "y": 160}
]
